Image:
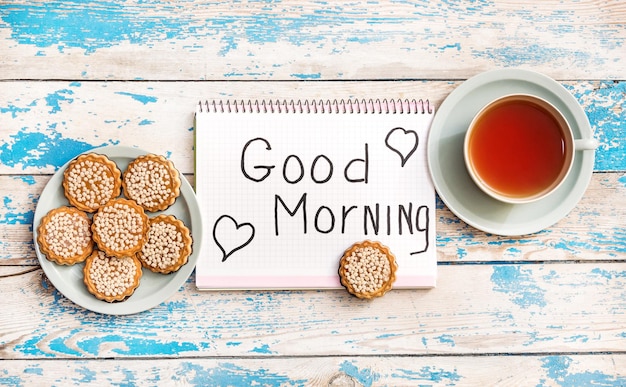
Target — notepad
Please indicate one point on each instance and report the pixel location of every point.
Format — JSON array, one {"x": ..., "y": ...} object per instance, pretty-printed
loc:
[{"x": 286, "y": 187}]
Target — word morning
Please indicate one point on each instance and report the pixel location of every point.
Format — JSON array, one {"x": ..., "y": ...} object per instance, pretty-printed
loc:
[{"x": 374, "y": 218}]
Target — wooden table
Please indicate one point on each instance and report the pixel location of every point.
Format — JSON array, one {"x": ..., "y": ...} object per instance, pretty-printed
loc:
[{"x": 541, "y": 309}]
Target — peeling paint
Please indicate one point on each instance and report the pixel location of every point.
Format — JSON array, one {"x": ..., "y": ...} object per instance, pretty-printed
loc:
[
  {"x": 101, "y": 24},
  {"x": 366, "y": 377},
  {"x": 30, "y": 180},
  {"x": 14, "y": 110},
  {"x": 144, "y": 99},
  {"x": 228, "y": 374},
  {"x": 517, "y": 282},
  {"x": 41, "y": 149},
  {"x": 131, "y": 346},
  {"x": 54, "y": 100},
  {"x": 264, "y": 349},
  {"x": 535, "y": 54},
  {"x": 607, "y": 120},
  {"x": 429, "y": 374},
  {"x": 446, "y": 339},
  {"x": 558, "y": 371}
]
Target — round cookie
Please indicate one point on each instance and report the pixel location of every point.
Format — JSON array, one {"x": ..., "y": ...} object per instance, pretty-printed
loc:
[
  {"x": 64, "y": 236},
  {"x": 168, "y": 245},
  {"x": 90, "y": 181},
  {"x": 120, "y": 227},
  {"x": 367, "y": 269},
  {"x": 111, "y": 278},
  {"x": 152, "y": 181}
]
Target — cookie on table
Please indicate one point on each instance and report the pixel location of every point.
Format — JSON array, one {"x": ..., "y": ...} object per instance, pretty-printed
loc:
[
  {"x": 368, "y": 269},
  {"x": 168, "y": 245},
  {"x": 90, "y": 181},
  {"x": 109, "y": 278},
  {"x": 120, "y": 227},
  {"x": 152, "y": 181},
  {"x": 64, "y": 235}
]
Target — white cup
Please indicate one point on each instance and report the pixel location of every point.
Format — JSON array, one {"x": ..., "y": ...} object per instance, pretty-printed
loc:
[{"x": 519, "y": 148}]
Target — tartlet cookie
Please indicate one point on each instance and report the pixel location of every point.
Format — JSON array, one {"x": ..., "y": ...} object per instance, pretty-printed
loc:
[
  {"x": 64, "y": 236},
  {"x": 367, "y": 269},
  {"x": 90, "y": 181},
  {"x": 168, "y": 245},
  {"x": 120, "y": 227},
  {"x": 152, "y": 181},
  {"x": 111, "y": 278}
]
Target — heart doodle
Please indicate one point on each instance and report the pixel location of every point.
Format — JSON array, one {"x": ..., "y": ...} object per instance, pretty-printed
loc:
[
  {"x": 403, "y": 142},
  {"x": 230, "y": 232}
]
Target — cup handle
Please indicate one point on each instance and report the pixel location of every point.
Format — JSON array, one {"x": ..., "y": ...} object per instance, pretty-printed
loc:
[{"x": 585, "y": 144}]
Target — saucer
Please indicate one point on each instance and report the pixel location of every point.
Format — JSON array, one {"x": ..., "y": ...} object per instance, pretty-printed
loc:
[{"x": 447, "y": 167}]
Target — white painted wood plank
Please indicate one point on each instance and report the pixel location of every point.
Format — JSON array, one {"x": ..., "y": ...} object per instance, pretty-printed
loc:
[
  {"x": 593, "y": 230},
  {"x": 64, "y": 118},
  {"x": 45, "y": 124},
  {"x": 475, "y": 309},
  {"x": 309, "y": 40},
  {"x": 548, "y": 370}
]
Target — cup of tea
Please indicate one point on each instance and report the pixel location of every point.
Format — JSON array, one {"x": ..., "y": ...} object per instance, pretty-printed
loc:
[{"x": 519, "y": 148}]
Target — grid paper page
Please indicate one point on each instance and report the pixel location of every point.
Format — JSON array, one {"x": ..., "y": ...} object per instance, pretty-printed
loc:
[{"x": 283, "y": 195}]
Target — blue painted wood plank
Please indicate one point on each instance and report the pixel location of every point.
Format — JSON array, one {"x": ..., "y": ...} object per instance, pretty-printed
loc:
[
  {"x": 79, "y": 116},
  {"x": 499, "y": 308},
  {"x": 424, "y": 38},
  {"x": 554, "y": 370},
  {"x": 604, "y": 103},
  {"x": 592, "y": 231}
]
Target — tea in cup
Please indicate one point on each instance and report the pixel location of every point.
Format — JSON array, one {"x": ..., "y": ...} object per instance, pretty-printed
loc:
[{"x": 519, "y": 148}]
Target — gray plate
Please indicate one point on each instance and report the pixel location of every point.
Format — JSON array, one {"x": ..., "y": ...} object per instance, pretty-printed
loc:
[
  {"x": 154, "y": 288},
  {"x": 454, "y": 185}
]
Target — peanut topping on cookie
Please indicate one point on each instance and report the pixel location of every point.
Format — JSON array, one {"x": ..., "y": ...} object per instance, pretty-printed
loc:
[
  {"x": 91, "y": 181},
  {"x": 65, "y": 235},
  {"x": 112, "y": 276},
  {"x": 152, "y": 181},
  {"x": 164, "y": 245},
  {"x": 367, "y": 269},
  {"x": 168, "y": 245},
  {"x": 119, "y": 227}
]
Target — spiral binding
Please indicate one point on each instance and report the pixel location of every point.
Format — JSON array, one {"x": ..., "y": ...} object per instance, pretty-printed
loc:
[{"x": 377, "y": 106}]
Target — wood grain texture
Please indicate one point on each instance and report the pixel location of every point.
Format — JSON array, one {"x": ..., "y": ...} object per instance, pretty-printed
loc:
[
  {"x": 201, "y": 40},
  {"x": 548, "y": 370},
  {"x": 593, "y": 230},
  {"x": 45, "y": 124},
  {"x": 475, "y": 309}
]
